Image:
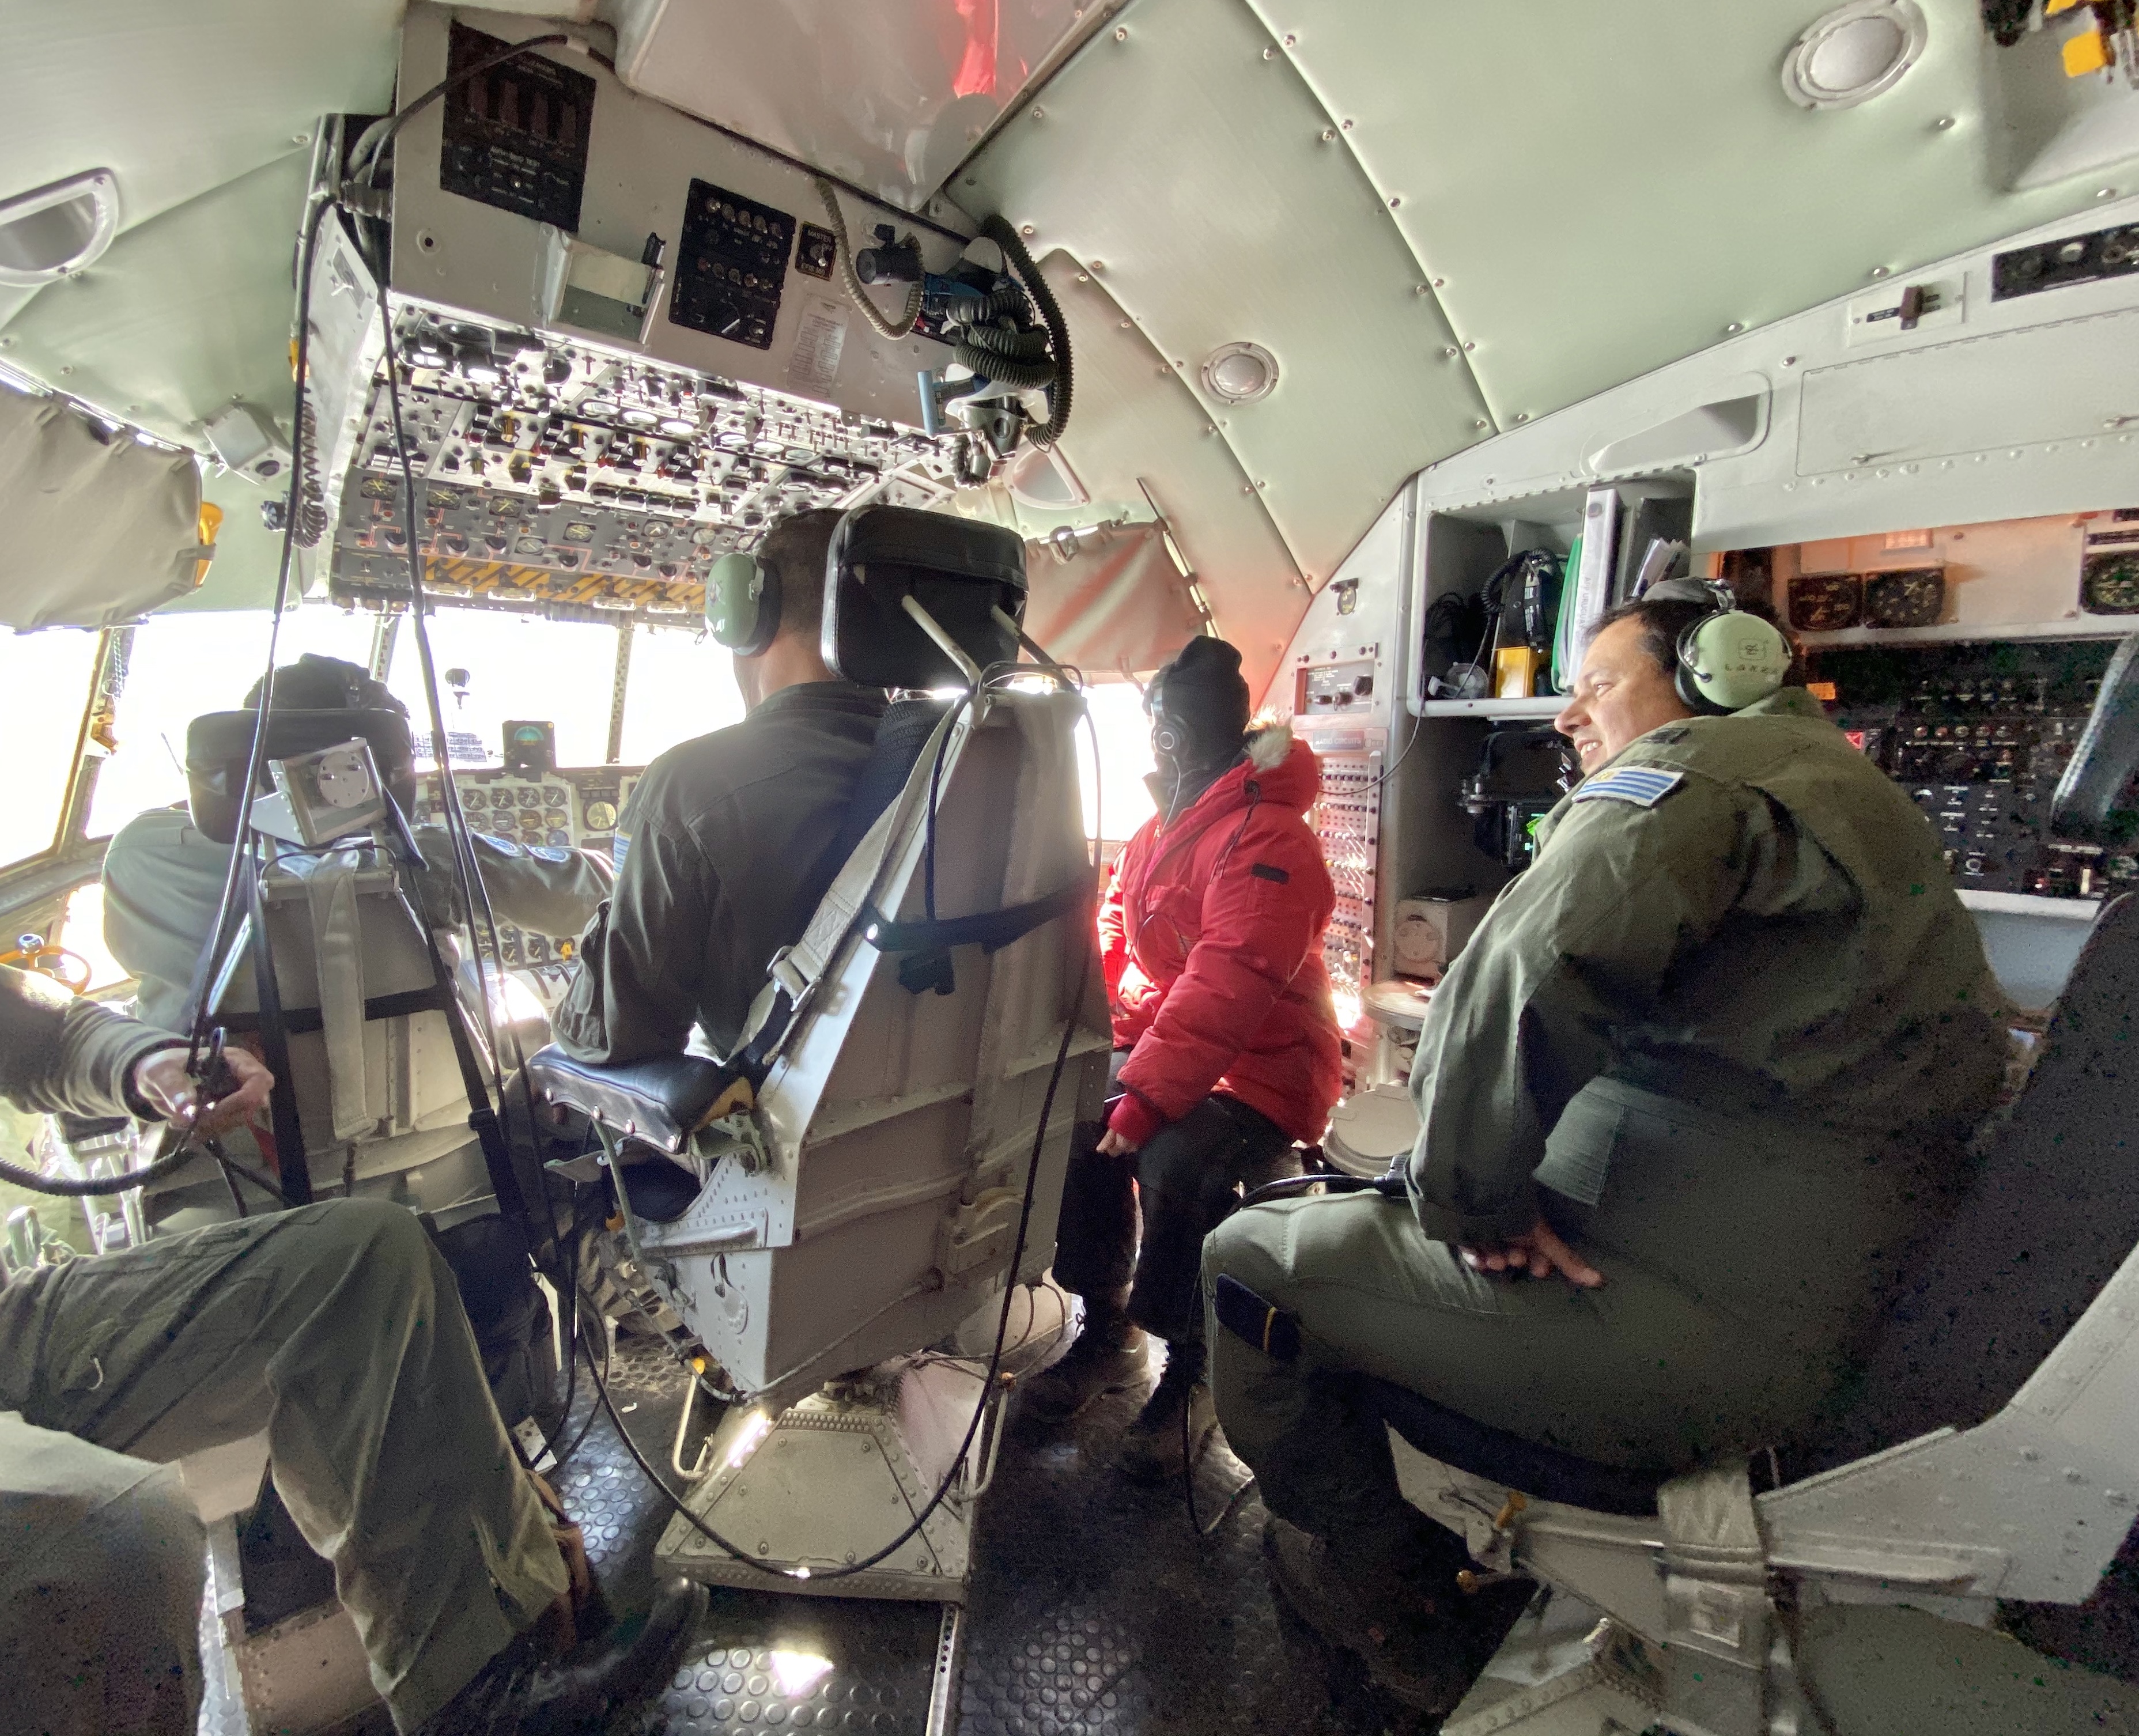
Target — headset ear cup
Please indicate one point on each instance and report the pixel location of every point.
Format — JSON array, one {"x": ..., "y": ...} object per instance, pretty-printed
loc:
[{"x": 742, "y": 604}]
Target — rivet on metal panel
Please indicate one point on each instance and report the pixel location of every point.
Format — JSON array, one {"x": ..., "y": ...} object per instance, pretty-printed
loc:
[
  {"x": 1262, "y": 485},
  {"x": 1210, "y": 427},
  {"x": 2105, "y": 192},
  {"x": 301, "y": 138},
  {"x": 1470, "y": 343},
  {"x": 1026, "y": 229},
  {"x": 1125, "y": 325},
  {"x": 1879, "y": 270},
  {"x": 1480, "y": 423},
  {"x": 1396, "y": 201},
  {"x": 1329, "y": 134},
  {"x": 1291, "y": 41},
  {"x": 1269, "y": 54},
  {"x": 1084, "y": 276},
  {"x": 1099, "y": 265},
  {"x": 1039, "y": 113},
  {"x": 1452, "y": 352},
  {"x": 1735, "y": 327},
  {"x": 970, "y": 181},
  {"x": 1121, "y": 32},
  {"x": 1347, "y": 126},
  {"x": 1441, "y": 283},
  {"x": 1790, "y": 361},
  {"x": 1246, "y": 488},
  {"x": 1522, "y": 415}
]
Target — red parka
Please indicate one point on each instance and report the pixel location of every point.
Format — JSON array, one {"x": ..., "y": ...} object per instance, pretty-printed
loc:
[{"x": 1212, "y": 935}]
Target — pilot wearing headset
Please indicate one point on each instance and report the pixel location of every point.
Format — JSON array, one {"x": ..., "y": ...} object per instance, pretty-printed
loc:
[
  {"x": 723, "y": 850},
  {"x": 1699, "y": 1082}
]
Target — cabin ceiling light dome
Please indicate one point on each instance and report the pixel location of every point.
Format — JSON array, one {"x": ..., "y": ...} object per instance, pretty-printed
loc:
[
  {"x": 1240, "y": 373},
  {"x": 1854, "y": 53},
  {"x": 47, "y": 233}
]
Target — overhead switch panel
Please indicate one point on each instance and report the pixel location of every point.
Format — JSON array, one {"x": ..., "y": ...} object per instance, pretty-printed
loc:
[{"x": 515, "y": 138}]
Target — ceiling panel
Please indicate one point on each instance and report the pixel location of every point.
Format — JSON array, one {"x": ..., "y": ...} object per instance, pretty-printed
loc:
[
  {"x": 1603, "y": 190},
  {"x": 176, "y": 99},
  {"x": 1131, "y": 423},
  {"x": 1189, "y": 173},
  {"x": 186, "y": 311}
]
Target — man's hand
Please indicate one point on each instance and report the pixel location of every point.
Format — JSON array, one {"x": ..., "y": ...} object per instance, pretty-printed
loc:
[
  {"x": 1113, "y": 1145},
  {"x": 160, "y": 1081},
  {"x": 1538, "y": 1251}
]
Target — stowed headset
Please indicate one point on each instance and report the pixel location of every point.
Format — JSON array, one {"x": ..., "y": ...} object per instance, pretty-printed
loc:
[
  {"x": 1727, "y": 659},
  {"x": 742, "y": 602}
]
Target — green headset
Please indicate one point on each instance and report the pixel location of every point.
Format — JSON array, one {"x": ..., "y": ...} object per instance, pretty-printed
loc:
[
  {"x": 742, "y": 602},
  {"x": 1727, "y": 659}
]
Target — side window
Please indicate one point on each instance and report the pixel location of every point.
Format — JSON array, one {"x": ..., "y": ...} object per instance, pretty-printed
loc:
[
  {"x": 180, "y": 666},
  {"x": 45, "y": 677},
  {"x": 1116, "y": 797}
]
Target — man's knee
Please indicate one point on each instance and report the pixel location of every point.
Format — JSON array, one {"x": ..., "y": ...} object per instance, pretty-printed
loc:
[{"x": 390, "y": 1239}]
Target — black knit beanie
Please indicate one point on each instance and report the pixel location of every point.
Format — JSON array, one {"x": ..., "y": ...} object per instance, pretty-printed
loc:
[{"x": 1201, "y": 694}]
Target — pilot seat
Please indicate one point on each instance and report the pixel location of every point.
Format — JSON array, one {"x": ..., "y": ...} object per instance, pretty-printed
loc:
[{"x": 879, "y": 1165}]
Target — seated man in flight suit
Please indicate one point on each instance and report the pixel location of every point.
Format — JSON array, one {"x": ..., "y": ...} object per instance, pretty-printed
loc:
[
  {"x": 163, "y": 876},
  {"x": 1696, "y": 1085},
  {"x": 720, "y": 854},
  {"x": 336, "y": 1328},
  {"x": 1227, "y": 1043}
]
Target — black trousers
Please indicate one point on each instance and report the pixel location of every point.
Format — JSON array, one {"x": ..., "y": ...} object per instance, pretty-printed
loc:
[{"x": 1185, "y": 1178}]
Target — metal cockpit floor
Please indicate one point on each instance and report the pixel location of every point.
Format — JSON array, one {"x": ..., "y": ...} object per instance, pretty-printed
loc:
[{"x": 1094, "y": 1609}]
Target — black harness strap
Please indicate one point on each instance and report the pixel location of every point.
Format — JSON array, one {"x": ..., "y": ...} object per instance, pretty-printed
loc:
[
  {"x": 923, "y": 948},
  {"x": 293, "y": 1170}
]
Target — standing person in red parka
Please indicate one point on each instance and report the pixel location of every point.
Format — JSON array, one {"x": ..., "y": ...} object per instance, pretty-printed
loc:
[{"x": 1225, "y": 1044}]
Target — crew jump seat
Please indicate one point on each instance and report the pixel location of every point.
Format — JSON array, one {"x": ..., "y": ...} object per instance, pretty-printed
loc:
[{"x": 849, "y": 1187}]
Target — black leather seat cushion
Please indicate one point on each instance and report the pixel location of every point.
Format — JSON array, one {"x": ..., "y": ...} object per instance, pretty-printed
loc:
[{"x": 658, "y": 1100}]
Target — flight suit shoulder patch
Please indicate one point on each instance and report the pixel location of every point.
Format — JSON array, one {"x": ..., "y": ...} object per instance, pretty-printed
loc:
[{"x": 1643, "y": 786}]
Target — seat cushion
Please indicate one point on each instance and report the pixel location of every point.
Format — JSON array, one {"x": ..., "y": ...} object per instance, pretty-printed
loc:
[{"x": 659, "y": 1100}]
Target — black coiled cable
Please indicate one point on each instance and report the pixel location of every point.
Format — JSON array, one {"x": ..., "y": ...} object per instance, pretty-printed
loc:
[{"x": 998, "y": 230}]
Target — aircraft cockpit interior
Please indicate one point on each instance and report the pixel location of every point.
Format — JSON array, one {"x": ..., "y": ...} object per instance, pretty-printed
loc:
[{"x": 1069, "y": 866}]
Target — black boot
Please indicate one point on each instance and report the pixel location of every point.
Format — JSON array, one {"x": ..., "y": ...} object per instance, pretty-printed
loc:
[
  {"x": 1110, "y": 1355},
  {"x": 1421, "y": 1637},
  {"x": 518, "y": 1693},
  {"x": 1152, "y": 1449}
]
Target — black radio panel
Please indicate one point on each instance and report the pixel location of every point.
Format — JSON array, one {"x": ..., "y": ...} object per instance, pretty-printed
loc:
[
  {"x": 1979, "y": 736},
  {"x": 515, "y": 137}
]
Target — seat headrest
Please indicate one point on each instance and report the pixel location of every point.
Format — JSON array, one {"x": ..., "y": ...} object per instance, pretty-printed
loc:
[
  {"x": 218, "y": 744},
  {"x": 957, "y": 569}
]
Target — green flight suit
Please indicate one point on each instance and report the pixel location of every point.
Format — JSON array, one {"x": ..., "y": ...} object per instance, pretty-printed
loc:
[
  {"x": 721, "y": 857},
  {"x": 336, "y": 1328},
  {"x": 1729, "y": 1033}
]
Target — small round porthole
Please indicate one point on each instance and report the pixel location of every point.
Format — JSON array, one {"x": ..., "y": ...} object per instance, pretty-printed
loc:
[
  {"x": 1240, "y": 373},
  {"x": 57, "y": 229},
  {"x": 1854, "y": 53}
]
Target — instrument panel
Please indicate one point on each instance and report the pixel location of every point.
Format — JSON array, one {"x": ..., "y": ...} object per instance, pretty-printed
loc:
[
  {"x": 572, "y": 808},
  {"x": 550, "y": 473},
  {"x": 1980, "y": 736}
]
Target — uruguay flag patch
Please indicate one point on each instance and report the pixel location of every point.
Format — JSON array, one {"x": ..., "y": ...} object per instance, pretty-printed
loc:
[{"x": 1643, "y": 786}]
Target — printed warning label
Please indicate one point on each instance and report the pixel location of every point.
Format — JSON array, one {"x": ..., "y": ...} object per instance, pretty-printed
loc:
[{"x": 815, "y": 362}]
